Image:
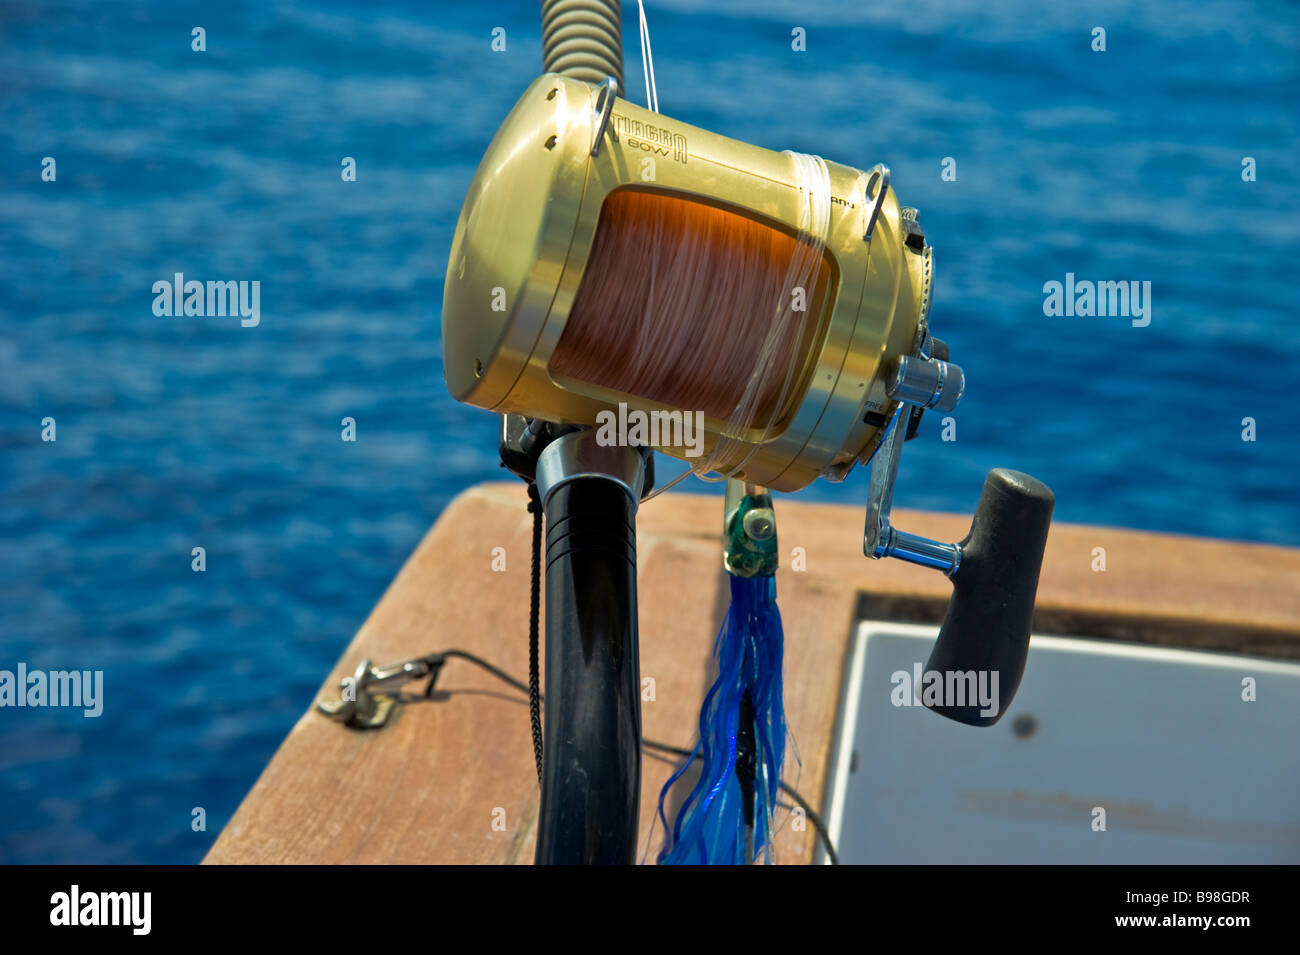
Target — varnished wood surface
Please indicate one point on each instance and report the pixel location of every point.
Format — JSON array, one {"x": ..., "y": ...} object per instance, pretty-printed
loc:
[{"x": 451, "y": 780}]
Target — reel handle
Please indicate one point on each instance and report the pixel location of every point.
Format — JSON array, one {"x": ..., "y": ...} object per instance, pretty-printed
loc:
[{"x": 994, "y": 586}]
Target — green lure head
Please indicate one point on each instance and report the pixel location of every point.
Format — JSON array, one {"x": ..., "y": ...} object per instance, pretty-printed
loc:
[{"x": 749, "y": 531}]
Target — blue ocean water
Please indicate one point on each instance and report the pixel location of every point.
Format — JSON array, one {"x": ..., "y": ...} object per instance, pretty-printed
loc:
[{"x": 176, "y": 433}]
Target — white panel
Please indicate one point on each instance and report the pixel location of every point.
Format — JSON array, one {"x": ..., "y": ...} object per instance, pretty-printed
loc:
[{"x": 1161, "y": 739}]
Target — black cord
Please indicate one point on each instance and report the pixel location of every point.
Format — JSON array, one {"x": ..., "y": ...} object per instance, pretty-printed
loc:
[
  {"x": 534, "y": 690},
  {"x": 668, "y": 748}
]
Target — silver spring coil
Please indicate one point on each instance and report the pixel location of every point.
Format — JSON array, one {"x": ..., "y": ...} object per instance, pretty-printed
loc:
[{"x": 583, "y": 39}]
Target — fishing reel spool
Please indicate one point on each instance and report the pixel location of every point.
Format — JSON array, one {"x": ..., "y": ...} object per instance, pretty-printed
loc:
[{"x": 544, "y": 315}]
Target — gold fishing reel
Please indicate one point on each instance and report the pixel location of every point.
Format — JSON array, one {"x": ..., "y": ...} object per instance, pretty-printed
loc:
[
  {"x": 546, "y": 288},
  {"x": 611, "y": 261}
]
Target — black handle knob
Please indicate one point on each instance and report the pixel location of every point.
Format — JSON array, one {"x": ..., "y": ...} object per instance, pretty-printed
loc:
[{"x": 985, "y": 635}]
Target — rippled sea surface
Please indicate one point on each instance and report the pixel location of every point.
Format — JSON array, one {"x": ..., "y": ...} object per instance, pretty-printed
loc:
[{"x": 175, "y": 433}]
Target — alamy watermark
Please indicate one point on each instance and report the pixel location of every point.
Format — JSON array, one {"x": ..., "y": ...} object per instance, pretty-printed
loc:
[
  {"x": 651, "y": 429},
  {"x": 130, "y": 909},
  {"x": 949, "y": 688},
  {"x": 1123, "y": 299},
  {"x": 212, "y": 299},
  {"x": 72, "y": 688}
]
